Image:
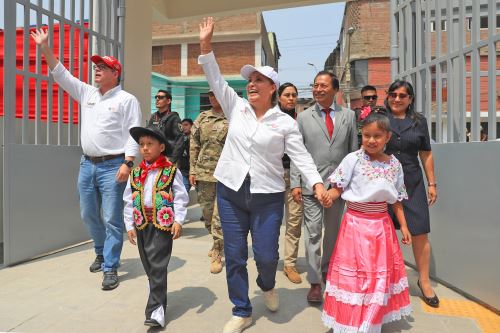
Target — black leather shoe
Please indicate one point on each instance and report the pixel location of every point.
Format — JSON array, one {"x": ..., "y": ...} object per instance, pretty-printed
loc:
[
  {"x": 151, "y": 323},
  {"x": 430, "y": 301},
  {"x": 110, "y": 280},
  {"x": 97, "y": 264}
]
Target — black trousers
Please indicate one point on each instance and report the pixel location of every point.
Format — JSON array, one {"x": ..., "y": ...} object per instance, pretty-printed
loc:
[{"x": 155, "y": 249}]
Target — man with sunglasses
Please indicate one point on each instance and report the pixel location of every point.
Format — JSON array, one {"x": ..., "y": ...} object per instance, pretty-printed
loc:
[
  {"x": 107, "y": 114},
  {"x": 369, "y": 96},
  {"x": 169, "y": 123}
]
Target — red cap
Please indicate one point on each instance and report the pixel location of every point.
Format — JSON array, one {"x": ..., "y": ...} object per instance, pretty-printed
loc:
[{"x": 111, "y": 62}]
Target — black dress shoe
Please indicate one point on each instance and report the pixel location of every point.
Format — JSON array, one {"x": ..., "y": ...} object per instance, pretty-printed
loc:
[
  {"x": 430, "y": 301},
  {"x": 151, "y": 323},
  {"x": 110, "y": 280},
  {"x": 97, "y": 264}
]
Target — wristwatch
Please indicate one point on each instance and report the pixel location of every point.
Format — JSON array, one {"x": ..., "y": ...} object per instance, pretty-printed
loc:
[{"x": 128, "y": 163}]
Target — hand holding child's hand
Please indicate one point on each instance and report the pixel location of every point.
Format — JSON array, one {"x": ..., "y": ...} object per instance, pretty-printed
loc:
[
  {"x": 176, "y": 230},
  {"x": 327, "y": 199},
  {"x": 132, "y": 235},
  {"x": 406, "y": 236},
  {"x": 319, "y": 191}
]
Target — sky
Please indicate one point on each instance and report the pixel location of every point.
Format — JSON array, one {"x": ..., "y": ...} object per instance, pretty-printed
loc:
[{"x": 305, "y": 35}]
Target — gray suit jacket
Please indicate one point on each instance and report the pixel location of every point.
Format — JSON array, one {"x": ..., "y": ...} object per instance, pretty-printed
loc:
[{"x": 327, "y": 154}]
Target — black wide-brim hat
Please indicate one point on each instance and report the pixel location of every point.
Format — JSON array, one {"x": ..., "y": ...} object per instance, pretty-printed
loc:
[{"x": 153, "y": 131}]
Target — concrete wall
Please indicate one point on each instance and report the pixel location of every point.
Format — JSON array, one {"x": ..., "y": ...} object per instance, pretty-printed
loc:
[{"x": 465, "y": 229}]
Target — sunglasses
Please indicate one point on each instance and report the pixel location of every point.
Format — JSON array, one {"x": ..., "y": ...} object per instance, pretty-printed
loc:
[
  {"x": 160, "y": 97},
  {"x": 370, "y": 98},
  {"x": 393, "y": 95}
]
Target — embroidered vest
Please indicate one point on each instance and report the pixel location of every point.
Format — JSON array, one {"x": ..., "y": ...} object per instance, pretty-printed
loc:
[{"x": 162, "y": 215}]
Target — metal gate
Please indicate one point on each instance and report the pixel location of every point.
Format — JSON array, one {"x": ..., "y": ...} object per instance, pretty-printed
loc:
[
  {"x": 449, "y": 50},
  {"x": 40, "y": 123}
]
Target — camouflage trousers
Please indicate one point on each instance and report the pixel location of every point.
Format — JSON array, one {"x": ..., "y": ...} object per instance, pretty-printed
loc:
[{"x": 208, "y": 202}]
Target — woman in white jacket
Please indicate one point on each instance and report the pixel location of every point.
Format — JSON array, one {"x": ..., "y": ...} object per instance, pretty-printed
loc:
[{"x": 251, "y": 186}]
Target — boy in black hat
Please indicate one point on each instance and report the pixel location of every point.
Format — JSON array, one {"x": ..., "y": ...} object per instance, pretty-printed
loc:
[{"x": 155, "y": 208}]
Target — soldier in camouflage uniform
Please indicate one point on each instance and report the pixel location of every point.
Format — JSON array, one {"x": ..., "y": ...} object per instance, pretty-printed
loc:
[{"x": 208, "y": 135}]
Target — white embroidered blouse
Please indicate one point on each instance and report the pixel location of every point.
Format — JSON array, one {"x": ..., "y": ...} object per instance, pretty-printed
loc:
[{"x": 364, "y": 180}]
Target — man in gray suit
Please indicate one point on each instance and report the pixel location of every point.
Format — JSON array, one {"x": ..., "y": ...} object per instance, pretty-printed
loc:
[{"x": 329, "y": 133}]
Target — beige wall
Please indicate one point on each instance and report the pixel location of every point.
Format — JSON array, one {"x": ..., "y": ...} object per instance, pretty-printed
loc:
[
  {"x": 165, "y": 11},
  {"x": 137, "y": 52}
]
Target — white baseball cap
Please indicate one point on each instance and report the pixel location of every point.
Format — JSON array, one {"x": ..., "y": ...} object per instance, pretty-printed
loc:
[{"x": 267, "y": 71}]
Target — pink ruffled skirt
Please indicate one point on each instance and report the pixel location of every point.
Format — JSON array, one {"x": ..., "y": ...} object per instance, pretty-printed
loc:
[{"x": 366, "y": 283}]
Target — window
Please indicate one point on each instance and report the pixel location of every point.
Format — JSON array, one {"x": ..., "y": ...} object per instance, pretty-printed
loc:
[
  {"x": 359, "y": 73},
  {"x": 157, "y": 55},
  {"x": 443, "y": 25},
  {"x": 263, "y": 57},
  {"x": 204, "y": 102},
  {"x": 483, "y": 22}
]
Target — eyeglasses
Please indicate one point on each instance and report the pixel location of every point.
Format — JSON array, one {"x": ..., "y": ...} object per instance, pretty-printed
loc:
[
  {"x": 101, "y": 67},
  {"x": 393, "y": 95},
  {"x": 160, "y": 97},
  {"x": 372, "y": 98}
]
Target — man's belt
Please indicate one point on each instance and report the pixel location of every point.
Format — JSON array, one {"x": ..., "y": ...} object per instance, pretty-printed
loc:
[{"x": 99, "y": 159}]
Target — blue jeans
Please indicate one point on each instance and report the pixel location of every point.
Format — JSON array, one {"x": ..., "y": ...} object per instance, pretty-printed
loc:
[
  {"x": 261, "y": 215},
  {"x": 185, "y": 180},
  {"x": 101, "y": 208}
]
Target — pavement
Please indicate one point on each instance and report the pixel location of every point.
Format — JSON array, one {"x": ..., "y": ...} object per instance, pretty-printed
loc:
[{"x": 57, "y": 293}]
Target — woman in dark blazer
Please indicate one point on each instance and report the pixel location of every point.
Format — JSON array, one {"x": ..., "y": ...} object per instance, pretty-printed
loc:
[{"x": 409, "y": 142}]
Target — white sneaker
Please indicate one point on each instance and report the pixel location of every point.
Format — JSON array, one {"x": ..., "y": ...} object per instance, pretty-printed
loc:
[
  {"x": 237, "y": 324},
  {"x": 272, "y": 300}
]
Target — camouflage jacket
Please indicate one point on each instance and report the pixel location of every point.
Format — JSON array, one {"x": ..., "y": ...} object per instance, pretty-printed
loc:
[{"x": 208, "y": 135}]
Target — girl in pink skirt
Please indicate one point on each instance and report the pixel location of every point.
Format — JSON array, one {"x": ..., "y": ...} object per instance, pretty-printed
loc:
[{"x": 366, "y": 283}]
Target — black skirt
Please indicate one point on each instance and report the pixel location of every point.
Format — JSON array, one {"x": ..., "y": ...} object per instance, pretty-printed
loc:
[{"x": 416, "y": 208}]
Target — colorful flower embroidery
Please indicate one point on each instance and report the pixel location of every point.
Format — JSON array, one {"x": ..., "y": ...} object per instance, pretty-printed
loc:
[
  {"x": 338, "y": 178},
  {"x": 167, "y": 197},
  {"x": 165, "y": 216},
  {"x": 137, "y": 217},
  {"x": 376, "y": 170},
  {"x": 136, "y": 199},
  {"x": 402, "y": 194}
]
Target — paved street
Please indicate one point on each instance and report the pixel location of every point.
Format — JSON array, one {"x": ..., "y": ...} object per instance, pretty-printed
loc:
[{"x": 57, "y": 293}]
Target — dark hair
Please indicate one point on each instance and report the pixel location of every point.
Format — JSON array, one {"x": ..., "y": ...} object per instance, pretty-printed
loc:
[
  {"x": 409, "y": 90},
  {"x": 284, "y": 86},
  {"x": 335, "y": 81},
  {"x": 380, "y": 118},
  {"x": 367, "y": 88},
  {"x": 169, "y": 96},
  {"x": 189, "y": 120}
]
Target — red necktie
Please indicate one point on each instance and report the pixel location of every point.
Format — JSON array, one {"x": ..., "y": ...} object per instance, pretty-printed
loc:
[{"x": 328, "y": 121}]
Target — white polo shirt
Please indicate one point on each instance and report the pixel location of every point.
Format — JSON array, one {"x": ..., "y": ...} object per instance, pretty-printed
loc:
[
  {"x": 105, "y": 119},
  {"x": 254, "y": 146}
]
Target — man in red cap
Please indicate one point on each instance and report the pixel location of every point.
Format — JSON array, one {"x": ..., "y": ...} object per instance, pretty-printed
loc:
[{"x": 107, "y": 114}]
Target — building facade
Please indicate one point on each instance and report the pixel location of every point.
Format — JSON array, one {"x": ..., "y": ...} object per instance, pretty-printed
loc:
[
  {"x": 363, "y": 56},
  {"x": 238, "y": 40}
]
